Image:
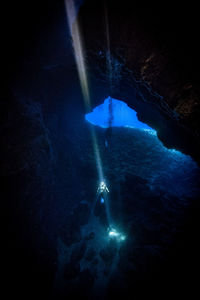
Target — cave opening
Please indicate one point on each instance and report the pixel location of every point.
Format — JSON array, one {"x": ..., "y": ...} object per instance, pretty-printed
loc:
[{"x": 115, "y": 113}]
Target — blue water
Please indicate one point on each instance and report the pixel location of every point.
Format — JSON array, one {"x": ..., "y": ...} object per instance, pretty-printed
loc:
[
  {"x": 122, "y": 115},
  {"x": 102, "y": 200},
  {"x": 165, "y": 169}
]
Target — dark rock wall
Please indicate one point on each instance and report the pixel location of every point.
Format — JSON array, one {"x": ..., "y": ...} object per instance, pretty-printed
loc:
[{"x": 27, "y": 194}]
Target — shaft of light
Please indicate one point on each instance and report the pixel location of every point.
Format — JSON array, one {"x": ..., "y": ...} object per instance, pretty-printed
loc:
[
  {"x": 78, "y": 49},
  {"x": 81, "y": 67},
  {"x": 97, "y": 155}
]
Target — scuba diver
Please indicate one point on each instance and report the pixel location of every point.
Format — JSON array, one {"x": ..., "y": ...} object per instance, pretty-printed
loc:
[{"x": 102, "y": 191}]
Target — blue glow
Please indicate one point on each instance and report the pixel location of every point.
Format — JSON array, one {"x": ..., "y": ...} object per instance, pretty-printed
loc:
[
  {"x": 122, "y": 115},
  {"x": 164, "y": 169},
  {"x": 102, "y": 200}
]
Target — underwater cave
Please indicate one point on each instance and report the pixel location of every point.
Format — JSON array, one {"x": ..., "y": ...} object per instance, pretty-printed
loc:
[{"x": 100, "y": 151}]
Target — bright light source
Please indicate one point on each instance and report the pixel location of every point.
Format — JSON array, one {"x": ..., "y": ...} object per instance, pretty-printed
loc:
[{"x": 113, "y": 233}]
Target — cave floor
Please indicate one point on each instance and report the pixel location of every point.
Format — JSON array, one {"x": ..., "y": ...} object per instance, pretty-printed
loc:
[{"x": 150, "y": 190}]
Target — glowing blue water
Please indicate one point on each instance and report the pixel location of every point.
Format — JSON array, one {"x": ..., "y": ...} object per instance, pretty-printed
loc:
[
  {"x": 164, "y": 169},
  {"x": 102, "y": 200},
  {"x": 122, "y": 115}
]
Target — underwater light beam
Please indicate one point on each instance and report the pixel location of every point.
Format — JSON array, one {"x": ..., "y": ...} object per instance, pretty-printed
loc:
[
  {"x": 78, "y": 49},
  {"x": 81, "y": 67},
  {"x": 97, "y": 155}
]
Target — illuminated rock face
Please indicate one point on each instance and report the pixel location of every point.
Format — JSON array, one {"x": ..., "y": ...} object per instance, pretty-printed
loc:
[{"x": 115, "y": 113}]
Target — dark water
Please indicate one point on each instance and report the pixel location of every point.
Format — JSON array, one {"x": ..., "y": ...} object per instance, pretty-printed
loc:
[
  {"x": 151, "y": 189},
  {"x": 55, "y": 247}
]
